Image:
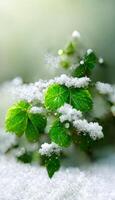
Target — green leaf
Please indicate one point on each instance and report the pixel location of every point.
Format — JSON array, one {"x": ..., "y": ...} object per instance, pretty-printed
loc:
[
  {"x": 16, "y": 118},
  {"x": 81, "y": 99},
  {"x": 70, "y": 49},
  {"x": 90, "y": 60},
  {"x": 59, "y": 134},
  {"x": 52, "y": 164},
  {"x": 65, "y": 64},
  {"x": 55, "y": 96},
  {"x": 38, "y": 120},
  {"x": 19, "y": 120},
  {"x": 32, "y": 133},
  {"x": 80, "y": 71},
  {"x": 84, "y": 141},
  {"x": 86, "y": 68},
  {"x": 26, "y": 157}
]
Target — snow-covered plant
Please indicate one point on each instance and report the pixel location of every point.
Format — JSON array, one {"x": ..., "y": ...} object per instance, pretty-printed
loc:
[{"x": 56, "y": 113}]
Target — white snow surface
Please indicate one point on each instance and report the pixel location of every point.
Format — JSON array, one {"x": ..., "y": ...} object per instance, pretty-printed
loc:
[
  {"x": 24, "y": 182},
  {"x": 6, "y": 140}
]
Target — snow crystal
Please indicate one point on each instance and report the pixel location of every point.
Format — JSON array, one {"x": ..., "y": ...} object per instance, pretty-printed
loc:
[
  {"x": 100, "y": 60},
  {"x": 76, "y": 34},
  {"x": 35, "y": 91},
  {"x": 52, "y": 61},
  {"x": 82, "y": 125},
  {"x": 48, "y": 149},
  {"x": 60, "y": 52},
  {"x": 68, "y": 113},
  {"x": 67, "y": 125},
  {"x": 17, "y": 81},
  {"x": 89, "y": 51},
  {"x": 6, "y": 140},
  {"x": 112, "y": 95},
  {"x": 25, "y": 182},
  {"x": 72, "y": 82},
  {"x": 104, "y": 88},
  {"x": 9, "y": 87},
  {"x": 20, "y": 151},
  {"x": 93, "y": 128},
  {"x": 28, "y": 92},
  {"x": 35, "y": 110},
  {"x": 82, "y": 62}
]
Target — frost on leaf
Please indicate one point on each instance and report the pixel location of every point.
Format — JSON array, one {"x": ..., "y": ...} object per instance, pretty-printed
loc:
[
  {"x": 48, "y": 149},
  {"x": 50, "y": 154},
  {"x": 69, "y": 81},
  {"x": 59, "y": 134},
  {"x": 56, "y": 95},
  {"x": 75, "y": 117}
]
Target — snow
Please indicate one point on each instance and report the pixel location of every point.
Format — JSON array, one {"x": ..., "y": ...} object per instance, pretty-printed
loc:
[
  {"x": 82, "y": 62},
  {"x": 112, "y": 95},
  {"x": 72, "y": 82},
  {"x": 25, "y": 182},
  {"x": 16, "y": 90},
  {"x": 36, "y": 109},
  {"x": 67, "y": 125},
  {"x": 17, "y": 81},
  {"x": 35, "y": 91},
  {"x": 6, "y": 140},
  {"x": 52, "y": 61},
  {"x": 48, "y": 149},
  {"x": 100, "y": 60},
  {"x": 92, "y": 128},
  {"x": 82, "y": 125},
  {"x": 29, "y": 92},
  {"x": 76, "y": 34},
  {"x": 106, "y": 89},
  {"x": 60, "y": 52},
  {"x": 68, "y": 113},
  {"x": 89, "y": 51}
]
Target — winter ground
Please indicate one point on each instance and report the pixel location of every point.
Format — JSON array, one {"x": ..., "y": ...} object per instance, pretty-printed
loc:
[{"x": 24, "y": 182}]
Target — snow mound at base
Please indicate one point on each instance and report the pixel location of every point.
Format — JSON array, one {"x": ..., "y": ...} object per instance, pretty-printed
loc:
[{"x": 25, "y": 182}]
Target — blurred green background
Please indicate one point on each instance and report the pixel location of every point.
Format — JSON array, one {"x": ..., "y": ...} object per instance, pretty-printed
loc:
[{"x": 29, "y": 29}]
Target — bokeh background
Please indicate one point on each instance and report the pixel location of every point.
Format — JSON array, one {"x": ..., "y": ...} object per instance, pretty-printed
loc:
[{"x": 29, "y": 29}]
